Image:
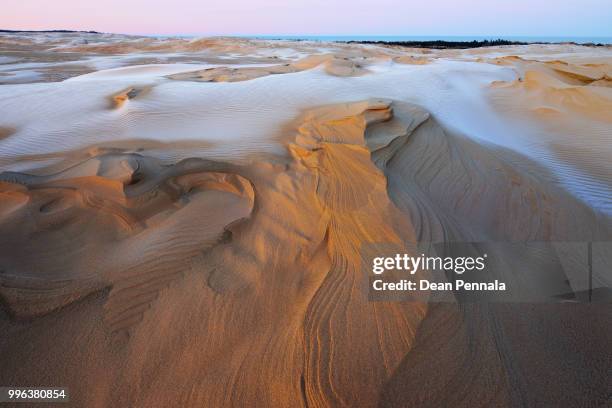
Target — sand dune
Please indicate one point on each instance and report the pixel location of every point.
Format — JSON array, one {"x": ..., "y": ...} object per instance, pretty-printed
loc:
[
  {"x": 571, "y": 105},
  {"x": 564, "y": 87},
  {"x": 310, "y": 250},
  {"x": 308, "y": 266},
  {"x": 103, "y": 201},
  {"x": 195, "y": 234},
  {"x": 331, "y": 64}
]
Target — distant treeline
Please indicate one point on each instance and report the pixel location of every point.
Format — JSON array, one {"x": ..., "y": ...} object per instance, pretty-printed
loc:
[
  {"x": 48, "y": 31},
  {"x": 440, "y": 44}
]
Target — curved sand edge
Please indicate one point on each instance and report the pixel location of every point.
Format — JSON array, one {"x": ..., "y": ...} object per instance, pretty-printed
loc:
[{"x": 242, "y": 276}]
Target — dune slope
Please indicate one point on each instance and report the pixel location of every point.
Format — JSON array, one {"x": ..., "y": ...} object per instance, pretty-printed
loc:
[
  {"x": 271, "y": 307},
  {"x": 179, "y": 227}
]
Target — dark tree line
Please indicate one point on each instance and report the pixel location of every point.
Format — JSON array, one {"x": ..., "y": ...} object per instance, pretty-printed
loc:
[{"x": 440, "y": 44}]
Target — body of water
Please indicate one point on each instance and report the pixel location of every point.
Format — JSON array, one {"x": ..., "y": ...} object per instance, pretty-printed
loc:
[{"x": 579, "y": 40}]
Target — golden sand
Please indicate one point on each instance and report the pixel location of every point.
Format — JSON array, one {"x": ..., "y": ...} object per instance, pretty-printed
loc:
[{"x": 141, "y": 272}]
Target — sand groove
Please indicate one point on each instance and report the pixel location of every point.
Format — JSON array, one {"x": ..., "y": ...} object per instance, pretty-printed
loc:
[
  {"x": 122, "y": 214},
  {"x": 244, "y": 285}
]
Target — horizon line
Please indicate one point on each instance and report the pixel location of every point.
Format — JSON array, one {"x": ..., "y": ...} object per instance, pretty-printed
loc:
[{"x": 500, "y": 36}]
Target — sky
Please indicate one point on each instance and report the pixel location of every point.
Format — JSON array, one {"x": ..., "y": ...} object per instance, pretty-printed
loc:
[{"x": 315, "y": 17}]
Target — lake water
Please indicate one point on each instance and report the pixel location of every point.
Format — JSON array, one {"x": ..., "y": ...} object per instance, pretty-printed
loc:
[{"x": 579, "y": 40}]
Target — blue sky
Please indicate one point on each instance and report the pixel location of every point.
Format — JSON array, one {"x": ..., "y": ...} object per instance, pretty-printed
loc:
[{"x": 316, "y": 17}]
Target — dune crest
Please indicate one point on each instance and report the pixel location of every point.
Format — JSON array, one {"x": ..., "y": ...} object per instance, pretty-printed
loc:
[
  {"x": 93, "y": 224},
  {"x": 549, "y": 86},
  {"x": 276, "y": 247},
  {"x": 342, "y": 67},
  {"x": 284, "y": 277},
  {"x": 138, "y": 272}
]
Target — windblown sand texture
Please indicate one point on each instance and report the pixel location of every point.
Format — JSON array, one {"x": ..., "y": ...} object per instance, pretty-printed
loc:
[{"x": 182, "y": 221}]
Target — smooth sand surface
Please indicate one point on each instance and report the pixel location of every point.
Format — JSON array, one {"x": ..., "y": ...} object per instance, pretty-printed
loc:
[{"x": 182, "y": 222}]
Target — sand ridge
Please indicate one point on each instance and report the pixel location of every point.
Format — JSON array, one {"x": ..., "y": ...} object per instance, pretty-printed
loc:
[
  {"x": 291, "y": 284},
  {"x": 563, "y": 87},
  {"x": 110, "y": 202},
  {"x": 141, "y": 267},
  {"x": 331, "y": 64},
  {"x": 296, "y": 262}
]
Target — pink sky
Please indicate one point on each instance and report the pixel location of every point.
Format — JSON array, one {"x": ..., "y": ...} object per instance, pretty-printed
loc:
[{"x": 315, "y": 17}]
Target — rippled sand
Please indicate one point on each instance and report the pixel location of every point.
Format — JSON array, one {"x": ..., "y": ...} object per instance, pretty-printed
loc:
[{"x": 182, "y": 221}]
